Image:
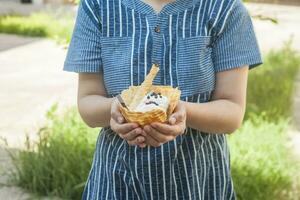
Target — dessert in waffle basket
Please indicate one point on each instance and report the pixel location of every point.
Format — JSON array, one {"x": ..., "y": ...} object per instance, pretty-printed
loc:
[{"x": 149, "y": 103}]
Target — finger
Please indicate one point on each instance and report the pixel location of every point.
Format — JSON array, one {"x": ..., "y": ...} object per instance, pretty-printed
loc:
[
  {"x": 159, "y": 137},
  {"x": 131, "y": 135},
  {"x": 177, "y": 117},
  {"x": 166, "y": 128},
  {"x": 120, "y": 119},
  {"x": 122, "y": 128},
  {"x": 151, "y": 141},
  {"x": 172, "y": 119},
  {"x": 140, "y": 140},
  {"x": 117, "y": 116},
  {"x": 179, "y": 114},
  {"x": 142, "y": 145},
  {"x": 115, "y": 112},
  {"x": 137, "y": 141}
]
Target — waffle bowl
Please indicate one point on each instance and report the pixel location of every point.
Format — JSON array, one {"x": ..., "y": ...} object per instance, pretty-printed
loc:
[{"x": 134, "y": 95}]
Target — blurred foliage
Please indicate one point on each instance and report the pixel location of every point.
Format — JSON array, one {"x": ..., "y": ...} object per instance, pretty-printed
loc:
[
  {"x": 271, "y": 86},
  {"x": 56, "y": 25},
  {"x": 58, "y": 164},
  {"x": 261, "y": 165}
]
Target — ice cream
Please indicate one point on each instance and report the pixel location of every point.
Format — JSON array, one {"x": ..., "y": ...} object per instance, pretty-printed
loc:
[
  {"x": 152, "y": 101},
  {"x": 148, "y": 103}
]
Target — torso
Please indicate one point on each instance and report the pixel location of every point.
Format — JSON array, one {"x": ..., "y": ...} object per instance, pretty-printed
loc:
[{"x": 177, "y": 37}]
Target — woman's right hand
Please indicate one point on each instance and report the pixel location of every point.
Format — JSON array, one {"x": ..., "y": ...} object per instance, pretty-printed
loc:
[{"x": 131, "y": 132}]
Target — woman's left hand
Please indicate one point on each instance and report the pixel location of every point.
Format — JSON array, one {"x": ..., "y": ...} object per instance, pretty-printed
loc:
[{"x": 160, "y": 133}]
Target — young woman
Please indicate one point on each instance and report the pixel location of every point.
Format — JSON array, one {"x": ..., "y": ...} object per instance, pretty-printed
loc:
[{"x": 204, "y": 47}]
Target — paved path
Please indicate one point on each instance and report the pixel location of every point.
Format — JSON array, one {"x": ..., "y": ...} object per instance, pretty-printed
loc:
[
  {"x": 13, "y": 41},
  {"x": 273, "y": 36},
  {"x": 31, "y": 78}
]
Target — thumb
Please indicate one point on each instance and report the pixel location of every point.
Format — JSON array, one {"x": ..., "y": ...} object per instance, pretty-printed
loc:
[
  {"x": 116, "y": 114},
  {"x": 175, "y": 117},
  {"x": 120, "y": 119},
  {"x": 172, "y": 120}
]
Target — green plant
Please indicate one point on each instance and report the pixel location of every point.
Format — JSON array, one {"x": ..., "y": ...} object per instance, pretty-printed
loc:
[
  {"x": 59, "y": 162},
  {"x": 271, "y": 86},
  {"x": 261, "y": 164},
  {"x": 42, "y": 24}
]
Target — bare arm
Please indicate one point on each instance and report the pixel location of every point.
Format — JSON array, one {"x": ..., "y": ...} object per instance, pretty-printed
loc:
[
  {"x": 94, "y": 107},
  {"x": 97, "y": 110},
  {"x": 225, "y": 113}
]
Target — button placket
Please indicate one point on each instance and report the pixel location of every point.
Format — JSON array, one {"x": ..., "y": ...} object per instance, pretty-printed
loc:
[{"x": 157, "y": 24}]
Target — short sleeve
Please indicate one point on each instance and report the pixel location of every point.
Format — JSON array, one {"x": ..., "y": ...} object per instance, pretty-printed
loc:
[
  {"x": 84, "y": 53},
  {"x": 235, "y": 43}
]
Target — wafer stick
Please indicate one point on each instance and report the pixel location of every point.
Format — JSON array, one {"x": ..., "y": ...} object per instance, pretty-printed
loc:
[{"x": 144, "y": 88}]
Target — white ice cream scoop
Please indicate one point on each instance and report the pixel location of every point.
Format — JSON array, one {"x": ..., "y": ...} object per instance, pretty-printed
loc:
[{"x": 153, "y": 101}]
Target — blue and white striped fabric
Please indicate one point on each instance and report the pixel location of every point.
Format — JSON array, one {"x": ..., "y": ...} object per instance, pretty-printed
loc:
[{"x": 191, "y": 41}]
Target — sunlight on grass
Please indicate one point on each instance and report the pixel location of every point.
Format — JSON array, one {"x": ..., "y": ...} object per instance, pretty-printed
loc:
[
  {"x": 58, "y": 164},
  {"x": 271, "y": 86},
  {"x": 261, "y": 164},
  {"x": 42, "y": 24}
]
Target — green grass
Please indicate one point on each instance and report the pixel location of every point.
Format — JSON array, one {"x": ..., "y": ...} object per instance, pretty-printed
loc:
[
  {"x": 262, "y": 168},
  {"x": 271, "y": 86},
  {"x": 59, "y": 163},
  {"x": 56, "y": 26}
]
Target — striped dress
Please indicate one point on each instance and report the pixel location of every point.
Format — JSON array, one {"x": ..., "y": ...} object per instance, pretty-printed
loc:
[{"x": 191, "y": 41}]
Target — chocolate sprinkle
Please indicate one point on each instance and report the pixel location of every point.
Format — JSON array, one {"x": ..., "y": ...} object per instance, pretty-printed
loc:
[{"x": 152, "y": 102}]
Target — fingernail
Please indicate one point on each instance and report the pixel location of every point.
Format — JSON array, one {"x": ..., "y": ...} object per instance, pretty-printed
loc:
[
  {"x": 138, "y": 131},
  {"x": 135, "y": 126},
  {"x": 154, "y": 125},
  {"x": 146, "y": 128},
  {"x": 143, "y": 145},
  {"x": 120, "y": 120},
  {"x": 149, "y": 128},
  {"x": 172, "y": 120},
  {"x": 143, "y": 133}
]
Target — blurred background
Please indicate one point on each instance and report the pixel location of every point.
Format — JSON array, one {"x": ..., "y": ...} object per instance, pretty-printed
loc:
[{"x": 46, "y": 150}]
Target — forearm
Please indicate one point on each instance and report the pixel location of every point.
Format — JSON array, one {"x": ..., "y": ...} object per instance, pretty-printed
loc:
[
  {"x": 95, "y": 110},
  {"x": 218, "y": 116}
]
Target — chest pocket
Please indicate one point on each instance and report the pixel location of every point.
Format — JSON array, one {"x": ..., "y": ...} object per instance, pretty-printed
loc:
[
  {"x": 195, "y": 68},
  {"x": 116, "y": 60}
]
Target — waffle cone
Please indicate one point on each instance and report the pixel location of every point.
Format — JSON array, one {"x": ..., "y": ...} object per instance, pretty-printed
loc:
[
  {"x": 156, "y": 115},
  {"x": 134, "y": 95}
]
